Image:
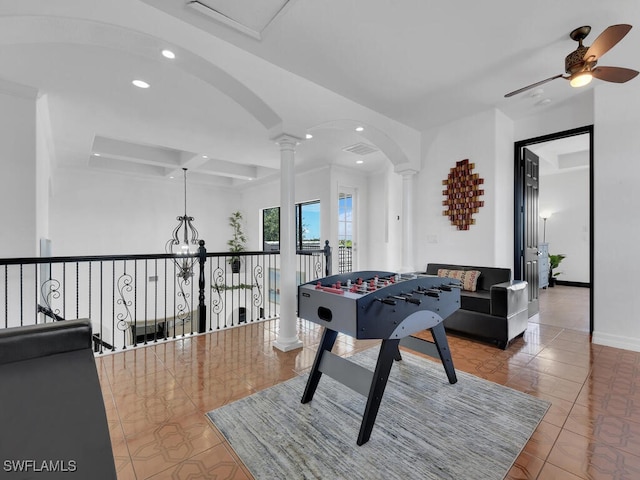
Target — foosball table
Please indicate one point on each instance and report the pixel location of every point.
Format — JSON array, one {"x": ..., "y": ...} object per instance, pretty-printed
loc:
[{"x": 377, "y": 305}]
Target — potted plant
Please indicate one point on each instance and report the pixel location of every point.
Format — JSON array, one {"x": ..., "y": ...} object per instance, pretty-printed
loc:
[
  {"x": 238, "y": 240},
  {"x": 554, "y": 262}
]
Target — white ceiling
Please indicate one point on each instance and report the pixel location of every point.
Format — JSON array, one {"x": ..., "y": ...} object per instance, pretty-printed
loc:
[{"x": 419, "y": 63}]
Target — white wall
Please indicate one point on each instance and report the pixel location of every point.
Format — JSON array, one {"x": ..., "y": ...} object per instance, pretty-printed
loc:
[
  {"x": 504, "y": 193},
  {"x": 383, "y": 206},
  {"x": 18, "y": 181},
  {"x": 566, "y": 194},
  {"x": 484, "y": 139},
  {"x": 101, "y": 213},
  {"x": 617, "y": 203},
  {"x": 44, "y": 161}
]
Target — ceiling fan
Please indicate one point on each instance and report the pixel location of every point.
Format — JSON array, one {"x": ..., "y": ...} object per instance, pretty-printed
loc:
[{"x": 580, "y": 65}]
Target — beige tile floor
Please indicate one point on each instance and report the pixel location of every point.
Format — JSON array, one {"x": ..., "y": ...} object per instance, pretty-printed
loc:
[{"x": 156, "y": 397}]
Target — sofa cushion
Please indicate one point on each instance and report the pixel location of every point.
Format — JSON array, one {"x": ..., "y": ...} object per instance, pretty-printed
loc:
[
  {"x": 490, "y": 275},
  {"x": 478, "y": 301},
  {"x": 468, "y": 278}
]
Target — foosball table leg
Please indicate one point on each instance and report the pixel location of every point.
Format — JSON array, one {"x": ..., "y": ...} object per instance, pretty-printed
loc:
[
  {"x": 388, "y": 352},
  {"x": 398, "y": 355},
  {"x": 440, "y": 339},
  {"x": 326, "y": 344}
]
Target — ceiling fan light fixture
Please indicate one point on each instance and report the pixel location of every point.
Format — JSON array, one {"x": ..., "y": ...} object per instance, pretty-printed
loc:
[{"x": 581, "y": 79}]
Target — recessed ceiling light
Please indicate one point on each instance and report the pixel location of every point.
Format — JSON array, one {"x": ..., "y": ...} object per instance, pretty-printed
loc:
[
  {"x": 359, "y": 162},
  {"x": 141, "y": 84},
  {"x": 96, "y": 154},
  {"x": 171, "y": 177},
  {"x": 168, "y": 54},
  {"x": 204, "y": 156},
  {"x": 359, "y": 129},
  {"x": 308, "y": 136}
]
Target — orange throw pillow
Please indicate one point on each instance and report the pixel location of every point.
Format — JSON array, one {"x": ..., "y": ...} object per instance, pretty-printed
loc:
[{"x": 468, "y": 278}]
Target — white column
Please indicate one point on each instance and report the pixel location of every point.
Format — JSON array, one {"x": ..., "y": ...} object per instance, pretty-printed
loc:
[
  {"x": 287, "y": 333},
  {"x": 407, "y": 220}
]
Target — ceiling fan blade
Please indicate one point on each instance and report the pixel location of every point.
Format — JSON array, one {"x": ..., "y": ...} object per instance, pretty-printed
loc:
[
  {"x": 614, "y": 74},
  {"x": 606, "y": 40},
  {"x": 533, "y": 85}
]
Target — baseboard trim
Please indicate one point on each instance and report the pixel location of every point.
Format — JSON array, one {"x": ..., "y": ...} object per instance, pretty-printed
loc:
[
  {"x": 616, "y": 341},
  {"x": 573, "y": 284}
]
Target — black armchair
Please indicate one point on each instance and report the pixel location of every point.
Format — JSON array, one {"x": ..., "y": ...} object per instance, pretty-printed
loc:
[{"x": 53, "y": 423}]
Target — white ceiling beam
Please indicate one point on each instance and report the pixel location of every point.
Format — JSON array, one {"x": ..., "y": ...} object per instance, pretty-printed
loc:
[
  {"x": 228, "y": 169},
  {"x": 125, "y": 167},
  {"x": 135, "y": 152}
]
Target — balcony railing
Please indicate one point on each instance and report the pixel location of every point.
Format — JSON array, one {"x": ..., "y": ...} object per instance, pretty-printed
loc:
[
  {"x": 345, "y": 259},
  {"x": 139, "y": 299}
]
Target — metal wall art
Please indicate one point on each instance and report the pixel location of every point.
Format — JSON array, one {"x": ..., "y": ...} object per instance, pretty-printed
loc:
[{"x": 463, "y": 195}]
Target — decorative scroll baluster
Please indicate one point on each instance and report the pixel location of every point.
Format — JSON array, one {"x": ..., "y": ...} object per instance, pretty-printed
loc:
[
  {"x": 50, "y": 289},
  {"x": 317, "y": 266},
  {"x": 217, "y": 286},
  {"x": 183, "y": 310},
  {"x": 257, "y": 276},
  {"x": 125, "y": 319}
]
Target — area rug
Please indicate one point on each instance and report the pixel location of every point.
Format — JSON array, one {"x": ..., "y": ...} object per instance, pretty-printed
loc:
[{"x": 426, "y": 428}]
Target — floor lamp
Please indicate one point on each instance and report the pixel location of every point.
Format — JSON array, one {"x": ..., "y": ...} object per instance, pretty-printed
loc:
[{"x": 544, "y": 216}]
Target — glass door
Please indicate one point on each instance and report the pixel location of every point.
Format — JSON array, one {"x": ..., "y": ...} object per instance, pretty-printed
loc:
[{"x": 346, "y": 231}]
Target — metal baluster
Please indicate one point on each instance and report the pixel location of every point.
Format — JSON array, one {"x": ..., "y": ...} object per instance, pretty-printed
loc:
[
  {"x": 90, "y": 283},
  {"x": 166, "y": 329},
  {"x": 6, "y": 296},
  {"x": 101, "y": 302},
  {"x": 113, "y": 303},
  {"x": 155, "y": 299},
  {"x": 77, "y": 290},
  {"x": 64, "y": 291},
  {"x": 135, "y": 303},
  {"x": 21, "y": 297},
  {"x": 174, "y": 298},
  {"x": 35, "y": 285},
  {"x": 146, "y": 316}
]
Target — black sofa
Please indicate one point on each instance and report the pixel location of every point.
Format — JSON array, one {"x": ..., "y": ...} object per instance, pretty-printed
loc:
[
  {"x": 496, "y": 312},
  {"x": 53, "y": 423}
]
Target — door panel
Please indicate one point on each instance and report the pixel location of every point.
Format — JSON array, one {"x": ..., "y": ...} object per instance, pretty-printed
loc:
[
  {"x": 530, "y": 238},
  {"x": 347, "y": 242}
]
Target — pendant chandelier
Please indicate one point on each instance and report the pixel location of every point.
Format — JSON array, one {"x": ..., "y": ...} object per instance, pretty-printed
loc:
[{"x": 184, "y": 241}]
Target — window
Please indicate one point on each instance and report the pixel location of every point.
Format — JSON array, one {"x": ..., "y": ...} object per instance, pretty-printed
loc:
[
  {"x": 307, "y": 227},
  {"x": 271, "y": 229}
]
